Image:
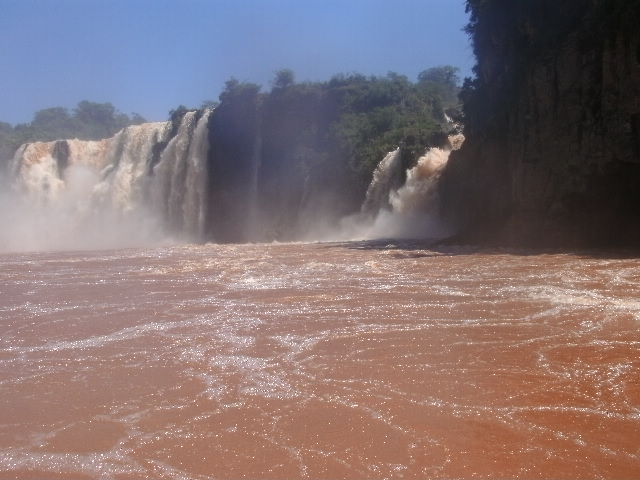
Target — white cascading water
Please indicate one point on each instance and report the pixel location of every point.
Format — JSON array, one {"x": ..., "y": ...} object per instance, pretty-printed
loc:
[
  {"x": 78, "y": 194},
  {"x": 169, "y": 175},
  {"x": 90, "y": 153},
  {"x": 419, "y": 192},
  {"x": 179, "y": 184},
  {"x": 386, "y": 174},
  {"x": 409, "y": 211},
  {"x": 36, "y": 170},
  {"x": 123, "y": 189},
  {"x": 140, "y": 186},
  {"x": 195, "y": 201}
]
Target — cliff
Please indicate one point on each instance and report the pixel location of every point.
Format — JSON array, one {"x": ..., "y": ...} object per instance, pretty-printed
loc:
[
  {"x": 552, "y": 121},
  {"x": 289, "y": 163}
]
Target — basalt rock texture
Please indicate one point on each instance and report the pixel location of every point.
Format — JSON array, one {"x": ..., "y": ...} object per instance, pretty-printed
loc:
[{"x": 552, "y": 151}]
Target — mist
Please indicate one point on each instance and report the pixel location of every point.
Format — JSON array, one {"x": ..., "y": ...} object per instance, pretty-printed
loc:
[
  {"x": 75, "y": 220},
  {"x": 69, "y": 195},
  {"x": 121, "y": 192},
  {"x": 407, "y": 211}
]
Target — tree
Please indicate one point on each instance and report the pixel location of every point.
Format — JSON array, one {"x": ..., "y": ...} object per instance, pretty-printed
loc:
[
  {"x": 97, "y": 120},
  {"x": 98, "y": 113},
  {"x": 137, "y": 119},
  {"x": 51, "y": 116},
  {"x": 283, "y": 78},
  {"x": 176, "y": 114},
  {"x": 89, "y": 121},
  {"x": 446, "y": 75},
  {"x": 234, "y": 88}
]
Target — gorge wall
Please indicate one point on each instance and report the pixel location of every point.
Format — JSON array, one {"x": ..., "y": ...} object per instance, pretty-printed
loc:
[{"x": 552, "y": 121}]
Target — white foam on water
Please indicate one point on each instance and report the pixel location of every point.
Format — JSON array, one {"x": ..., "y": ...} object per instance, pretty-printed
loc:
[
  {"x": 241, "y": 363},
  {"x": 99, "y": 465},
  {"x": 576, "y": 297}
]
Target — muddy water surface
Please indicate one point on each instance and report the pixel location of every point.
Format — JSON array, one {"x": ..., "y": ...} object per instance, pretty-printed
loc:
[{"x": 319, "y": 361}]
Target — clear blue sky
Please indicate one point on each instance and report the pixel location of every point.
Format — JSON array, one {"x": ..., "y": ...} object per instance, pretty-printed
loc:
[{"x": 151, "y": 56}]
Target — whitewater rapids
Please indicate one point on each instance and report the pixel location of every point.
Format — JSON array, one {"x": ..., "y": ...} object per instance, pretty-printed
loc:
[{"x": 358, "y": 360}]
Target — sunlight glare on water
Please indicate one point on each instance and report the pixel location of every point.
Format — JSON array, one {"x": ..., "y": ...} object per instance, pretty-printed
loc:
[{"x": 321, "y": 361}]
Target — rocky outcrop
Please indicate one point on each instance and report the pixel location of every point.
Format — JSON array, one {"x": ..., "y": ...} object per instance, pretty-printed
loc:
[{"x": 552, "y": 156}]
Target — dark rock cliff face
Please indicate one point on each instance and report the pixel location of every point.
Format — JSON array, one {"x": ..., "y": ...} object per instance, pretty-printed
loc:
[
  {"x": 232, "y": 133},
  {"x": 272, "y": 174},
  {"x": 289, "y": 164},
  {"x": 552, "y": 156}
]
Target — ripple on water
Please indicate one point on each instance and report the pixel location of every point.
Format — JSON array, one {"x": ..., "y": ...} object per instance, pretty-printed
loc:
[{"x": 318, "y": 361}]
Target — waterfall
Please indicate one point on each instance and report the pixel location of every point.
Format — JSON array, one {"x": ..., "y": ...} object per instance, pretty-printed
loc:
[
  {"x": 169, "y": 175},
  {"x": 195, "y": 202},
  {"x": 385, "y": 177},
  {"x": 36, "y": 170},
  {"x": 96, "y": 194},
  {"x": 406, "y": 211},
  {"x": 124, "y": 188},
  {"x": 179, "y": 182},
  {"x": 419, "y": 192}
]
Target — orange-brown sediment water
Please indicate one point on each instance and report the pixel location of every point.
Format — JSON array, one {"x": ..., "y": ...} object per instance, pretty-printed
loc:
[{"x": 318, "y": 361}]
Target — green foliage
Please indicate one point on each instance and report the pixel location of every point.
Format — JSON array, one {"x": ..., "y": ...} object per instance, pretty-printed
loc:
[
  {"x": 234, "y": 90},
  {"x": 175, "y": 115},
  {"x": 380, "y": 113},
  {"x": 283, "y": 79},
  {"x": 136, "y": 119},
  {"x": 334, "y": 132},
  {"x": 445, "y": 75}
]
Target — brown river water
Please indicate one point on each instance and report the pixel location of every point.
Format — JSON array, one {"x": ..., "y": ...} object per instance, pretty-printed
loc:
[{"x": 322, "y": 361}]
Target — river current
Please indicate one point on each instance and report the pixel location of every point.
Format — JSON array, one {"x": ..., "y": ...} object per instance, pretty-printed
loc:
[{"x": 358, "y": 360}]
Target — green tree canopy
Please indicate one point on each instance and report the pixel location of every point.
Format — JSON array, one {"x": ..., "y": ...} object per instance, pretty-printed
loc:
[
  {"x": 233, "y": 88},
  {"x": 446, "y": 75},
  {"x": 283, "y": 79}
]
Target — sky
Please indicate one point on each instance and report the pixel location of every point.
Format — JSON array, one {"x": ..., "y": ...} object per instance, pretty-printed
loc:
[{"x": 149, "y": 56}]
